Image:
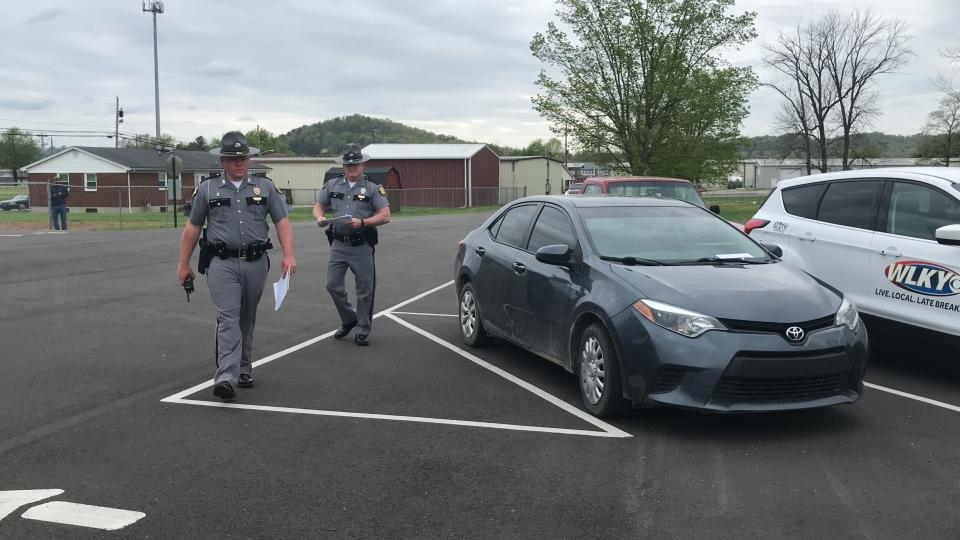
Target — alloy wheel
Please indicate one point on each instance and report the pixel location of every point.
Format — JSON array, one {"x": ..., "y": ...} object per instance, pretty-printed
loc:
[{"x": 591, "y": 369}]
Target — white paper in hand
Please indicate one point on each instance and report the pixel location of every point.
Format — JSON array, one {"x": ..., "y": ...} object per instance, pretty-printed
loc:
[{"x": 280, "y": 290}]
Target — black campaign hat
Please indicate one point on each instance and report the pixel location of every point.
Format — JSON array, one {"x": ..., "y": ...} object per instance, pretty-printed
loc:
[
  {"x": 352, "y": 155},
  {"x": 234, "y": 143}
]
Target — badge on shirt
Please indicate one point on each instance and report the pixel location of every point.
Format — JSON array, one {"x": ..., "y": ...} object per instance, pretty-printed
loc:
[
  {"x": 363, "y": 191},
  {"x": 256, "y": 194}
]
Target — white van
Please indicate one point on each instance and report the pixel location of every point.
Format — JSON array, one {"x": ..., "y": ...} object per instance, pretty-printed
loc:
[{"x": 888, "y": 238}]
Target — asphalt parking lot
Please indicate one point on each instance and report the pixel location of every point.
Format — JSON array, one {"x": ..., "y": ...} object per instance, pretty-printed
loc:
[{"x": 105, "y": 396}]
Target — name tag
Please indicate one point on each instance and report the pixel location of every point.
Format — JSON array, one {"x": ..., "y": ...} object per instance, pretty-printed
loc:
[
  {"x": 217, "y": 203},
  {"x": 336, "y": 195},
  {"x": 363, "y": 198},
  {"x": 256, "y": 201}
]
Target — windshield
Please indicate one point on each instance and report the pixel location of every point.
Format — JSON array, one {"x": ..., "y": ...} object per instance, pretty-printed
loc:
[
  {"x": 645, "y": 188},
  {"x": 670, "y": 235}
]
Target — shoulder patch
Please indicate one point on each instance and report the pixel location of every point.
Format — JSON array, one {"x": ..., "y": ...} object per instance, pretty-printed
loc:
[{"x": 381, "y": 190}]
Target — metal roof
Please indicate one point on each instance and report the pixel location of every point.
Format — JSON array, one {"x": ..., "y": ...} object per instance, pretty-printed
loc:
[
  {"x": 422, "y": 151},
  {"x": 141, "y": 159}
]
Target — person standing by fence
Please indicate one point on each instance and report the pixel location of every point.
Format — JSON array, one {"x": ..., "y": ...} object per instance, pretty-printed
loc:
[{"x": 58, "y": 205}]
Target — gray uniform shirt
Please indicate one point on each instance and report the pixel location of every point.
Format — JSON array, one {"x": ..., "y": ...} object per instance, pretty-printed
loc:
[
  {"x": 363, "y": 201},
  {"x": 234, "y": 216}
]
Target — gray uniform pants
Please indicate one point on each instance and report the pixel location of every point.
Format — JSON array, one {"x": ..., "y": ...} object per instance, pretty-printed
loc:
[
  {"x": 235, "y": 289},
  {"x": 360, "y": 261}
]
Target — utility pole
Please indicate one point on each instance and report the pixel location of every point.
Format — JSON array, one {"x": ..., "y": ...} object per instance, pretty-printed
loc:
[
  {"x": 156, "y": 6},
  {"x": 117, "y": 120},
  {"x": 373, "y": 133}
]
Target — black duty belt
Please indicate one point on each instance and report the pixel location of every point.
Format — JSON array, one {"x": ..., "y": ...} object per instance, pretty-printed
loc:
[
  {"x": 251, "y": 253},
  {"x": 351, "y": 239}
]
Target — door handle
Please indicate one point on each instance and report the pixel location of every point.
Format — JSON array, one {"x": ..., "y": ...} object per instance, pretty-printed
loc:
[
  {"x": 519, "y": 268},
  {"x": 890, "y": 252},
  {"x": 480, "y": 251},
  {"x": 807, "y": 237}
]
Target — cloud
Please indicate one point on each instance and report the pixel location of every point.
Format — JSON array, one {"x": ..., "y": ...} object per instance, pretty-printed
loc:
[
  {"x": 218, "y": 68},
  {"x": 25, "y": 104},
  {"x": 48, "y": 14},
  {"x": 245, "y": 119}
]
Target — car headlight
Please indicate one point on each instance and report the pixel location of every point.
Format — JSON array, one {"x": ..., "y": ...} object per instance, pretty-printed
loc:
[
  {"x": 682, "y": 321},
  {"x": 847, "y": 315}
]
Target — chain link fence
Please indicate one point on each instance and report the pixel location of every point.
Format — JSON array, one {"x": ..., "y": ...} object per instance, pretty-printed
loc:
[{"x": 28, "y": 206}]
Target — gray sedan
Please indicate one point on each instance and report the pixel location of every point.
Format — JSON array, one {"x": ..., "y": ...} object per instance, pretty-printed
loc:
[{"x": 658, "y": 302}]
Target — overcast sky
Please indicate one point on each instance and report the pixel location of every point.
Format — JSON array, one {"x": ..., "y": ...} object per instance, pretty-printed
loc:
[{"x": 459, "y": 67}]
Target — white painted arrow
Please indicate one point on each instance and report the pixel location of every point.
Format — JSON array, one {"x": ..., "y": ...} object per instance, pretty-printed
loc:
[
  {"x": 11, "y": 500},
  {"x": 83, "y": 515}
]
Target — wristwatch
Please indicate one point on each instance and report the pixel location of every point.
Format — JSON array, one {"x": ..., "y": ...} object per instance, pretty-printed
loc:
[{"x": 362, "y": 223}]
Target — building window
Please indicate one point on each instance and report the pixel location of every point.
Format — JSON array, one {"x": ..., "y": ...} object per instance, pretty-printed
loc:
[
  {"x": 90, "y": 182},
  {"x": 162, "y": 181},
  {"x": 63, "y": 177}
]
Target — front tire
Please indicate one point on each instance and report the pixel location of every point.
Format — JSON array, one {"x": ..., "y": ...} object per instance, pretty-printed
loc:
[
  {"x": 598, "y": 370},
  {"x": 471, "y": 325}
]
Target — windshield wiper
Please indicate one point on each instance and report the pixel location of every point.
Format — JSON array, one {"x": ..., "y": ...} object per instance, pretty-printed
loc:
[
  {"x": 633, "y": 261},
  {"x": 734, "y": 260}
]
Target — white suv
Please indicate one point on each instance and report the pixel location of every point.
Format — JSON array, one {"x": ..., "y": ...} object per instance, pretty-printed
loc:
[{"x": 888, "y": 238}]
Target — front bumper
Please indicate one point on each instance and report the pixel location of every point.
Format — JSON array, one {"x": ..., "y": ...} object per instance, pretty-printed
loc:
[{"x": 724, "y": 371}]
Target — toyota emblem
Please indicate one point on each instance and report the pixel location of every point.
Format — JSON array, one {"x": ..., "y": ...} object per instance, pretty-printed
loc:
[{"x": 794, "y": 333}]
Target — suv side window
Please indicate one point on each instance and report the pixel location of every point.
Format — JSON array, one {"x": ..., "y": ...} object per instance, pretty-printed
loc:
[
  {"x": 552, "y": 227},
  {"x": 515, "y": 224},
  {"x": 853, "y": 204},
  {"x": 918, "y": 211},
  {"x": 593, "y": 189},
  {"x": 799, "y": 201}
]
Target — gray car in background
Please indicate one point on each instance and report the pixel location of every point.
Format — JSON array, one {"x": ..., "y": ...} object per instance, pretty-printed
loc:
[{"x": 658, "y": 302}]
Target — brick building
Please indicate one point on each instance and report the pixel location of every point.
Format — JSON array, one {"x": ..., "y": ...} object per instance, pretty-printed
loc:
[{"x": 104, "y": 179}]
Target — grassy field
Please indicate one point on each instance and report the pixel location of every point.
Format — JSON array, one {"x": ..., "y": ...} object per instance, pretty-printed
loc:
[{"x": 736, "y": 208}]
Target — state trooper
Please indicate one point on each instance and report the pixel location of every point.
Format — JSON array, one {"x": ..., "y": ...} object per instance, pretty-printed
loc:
[
  {"x": 233, "y": 254},
  {"x": 359, "y": 206}
]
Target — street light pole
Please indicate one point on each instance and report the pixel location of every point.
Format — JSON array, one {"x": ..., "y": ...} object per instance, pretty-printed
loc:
[{"x": 156, "y": 6}]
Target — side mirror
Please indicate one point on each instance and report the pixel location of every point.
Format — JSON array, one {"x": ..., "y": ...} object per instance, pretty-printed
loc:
[
  {"x": 773, "y": 249},
  {"x": 558, "y": 254},
  {"x": 715, "y": 208},
  {"x": 948, "y": 235}
]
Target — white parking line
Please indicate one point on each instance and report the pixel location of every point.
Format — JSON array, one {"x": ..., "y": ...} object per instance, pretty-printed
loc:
[
  {"x": 11, "y": 235},
  {"x": 423, "y": 314},
  {"x": 421, "y": 419},
  {"x": 586, "y": 417},
  {"x": 179, "y": 395},
  {"x": 608, "y": 431},
  {"x": 83, "y": 515},
  {"x": 921, "y": 399}
]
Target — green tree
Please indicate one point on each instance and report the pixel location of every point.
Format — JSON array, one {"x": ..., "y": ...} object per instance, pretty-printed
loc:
[
  {"x": 267, "y": 142},
  {"x": 149, "y": 142},
  {"x": 539, "y": 147},
  {"x": 642, "y": 81},
  {"x": 17, "y": 149},
  {"x": 200, "y": 143}
]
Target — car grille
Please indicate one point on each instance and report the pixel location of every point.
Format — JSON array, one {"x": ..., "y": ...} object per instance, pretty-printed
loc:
[
  {"x": 778, "y": 328},
  {"x": 667, "y": 379},
  {"x": 740, "y": 390}
]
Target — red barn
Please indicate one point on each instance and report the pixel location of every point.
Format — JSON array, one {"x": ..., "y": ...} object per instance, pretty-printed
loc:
[{"x": 443, "y": 175}]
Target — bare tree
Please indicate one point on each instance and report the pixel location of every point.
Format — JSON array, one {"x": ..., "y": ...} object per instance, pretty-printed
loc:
[
  {"x": 952, "y": 52},
  {"x": 801, "y": 59},
  {"x": 944, "y": 125},
  {"x": 859, "y": 48}
]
